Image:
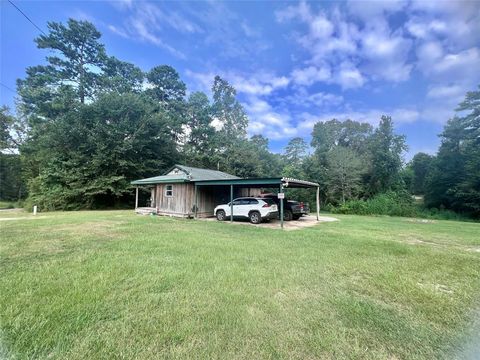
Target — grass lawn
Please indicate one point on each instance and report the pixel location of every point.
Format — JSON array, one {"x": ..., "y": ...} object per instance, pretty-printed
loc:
[{"x": 88, "y": 285}]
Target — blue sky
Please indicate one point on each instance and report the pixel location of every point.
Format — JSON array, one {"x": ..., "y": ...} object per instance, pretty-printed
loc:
[{"x": 292, "y": 63}]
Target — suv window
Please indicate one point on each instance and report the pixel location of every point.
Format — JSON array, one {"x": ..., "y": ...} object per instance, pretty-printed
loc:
[
  {"x": 251, "y": 201},
  {"x": 269, "y": 201}
]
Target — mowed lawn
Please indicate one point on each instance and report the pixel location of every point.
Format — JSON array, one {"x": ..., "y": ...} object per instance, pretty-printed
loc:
[{"x": 89, "y": 285}]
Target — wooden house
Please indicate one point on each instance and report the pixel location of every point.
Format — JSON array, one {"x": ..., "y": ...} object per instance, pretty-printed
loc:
[
  {"x": 187, "y": 191},
  {"x": 177, "y": 193}
]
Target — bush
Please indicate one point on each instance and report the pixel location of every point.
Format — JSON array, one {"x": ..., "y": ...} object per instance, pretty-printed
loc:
[
  {"x": 399, "y": 203},
  {"x": 391, "y": 203}
]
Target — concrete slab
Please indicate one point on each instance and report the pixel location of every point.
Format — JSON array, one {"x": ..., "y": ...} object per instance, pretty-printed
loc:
[{"x": 303, "y": 222}]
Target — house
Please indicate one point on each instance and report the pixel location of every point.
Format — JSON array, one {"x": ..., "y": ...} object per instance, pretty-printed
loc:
[
  {"x": 187, "y": 191},
  {"x": 175, "y": 192}
]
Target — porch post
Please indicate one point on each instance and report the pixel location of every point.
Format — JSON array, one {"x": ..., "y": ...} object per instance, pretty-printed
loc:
[
  {"x": 136, "y": 197},
  {"x": 281, "y": 207},
  {"x": 196, "y": 202},
  {"x": 231, "y": 203},
  {"x": 318, "y": 202}
]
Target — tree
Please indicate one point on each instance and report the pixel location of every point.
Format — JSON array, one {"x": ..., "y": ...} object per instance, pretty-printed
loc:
[
  {"x": 421, "y": 165},
  {"x": 296, "y": 150},
  {"x": 200, "y": 139},
  {"x": 345, "y": 170},
  {"x": 12, "y": 186},
  {"x": 168, "y": 90},
  {"x": 454, "y": 182},
  {"x": 228, "y": 113},
  {"x": 121, "y": 77},
  {"x": 166, "y": 86},
  {"x": 349, "y": 133},
  {"x": 386, "y": 151},
  {"x": 74, "y": 69},
  {"x": 91, "y": 155}
]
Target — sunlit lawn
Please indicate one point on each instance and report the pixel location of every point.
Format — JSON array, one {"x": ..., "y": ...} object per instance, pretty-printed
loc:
[{"x": 114, "y": 285}]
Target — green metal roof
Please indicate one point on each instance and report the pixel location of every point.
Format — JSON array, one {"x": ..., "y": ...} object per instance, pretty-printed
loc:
[
  {"x": 186, "y": 174},
  {"x": 238, "y": 181},
  {"x": 261, "y": 182}
]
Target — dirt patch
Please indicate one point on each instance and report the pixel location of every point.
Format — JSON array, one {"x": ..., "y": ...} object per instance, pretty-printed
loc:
[
  {"x": 98, "y": 228},
  {"x": 422, "y": 221},
  {"x": 438, "y": 288},
  {"x": 416, "y": 241}
]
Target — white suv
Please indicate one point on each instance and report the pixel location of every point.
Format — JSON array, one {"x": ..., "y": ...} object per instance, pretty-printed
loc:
[{"x": 255, "y": 209}]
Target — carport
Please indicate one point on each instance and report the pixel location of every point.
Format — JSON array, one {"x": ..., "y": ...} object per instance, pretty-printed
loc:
[{"x": 282, "y": 183}]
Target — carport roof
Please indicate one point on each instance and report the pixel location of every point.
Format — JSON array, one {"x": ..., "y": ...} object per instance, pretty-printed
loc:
[{"x": 261, "y": 182}]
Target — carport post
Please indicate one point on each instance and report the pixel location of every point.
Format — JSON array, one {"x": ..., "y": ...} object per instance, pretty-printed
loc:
[
  {"x": 136, "y": 197},
  {"x": 196, "y": 203},
  {"x": 318, "y": 202},
  {"x": 281, "y": 207},
  {"x": 231, "y": 203}
]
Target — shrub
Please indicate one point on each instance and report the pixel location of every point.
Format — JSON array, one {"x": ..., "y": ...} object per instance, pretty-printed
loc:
[
  {"x": 392, "y": 203},
  {"x": 399, "y": 203}
]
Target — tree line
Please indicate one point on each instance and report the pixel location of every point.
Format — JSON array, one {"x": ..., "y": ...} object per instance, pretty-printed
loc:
[{"x": 88, "y": 123}]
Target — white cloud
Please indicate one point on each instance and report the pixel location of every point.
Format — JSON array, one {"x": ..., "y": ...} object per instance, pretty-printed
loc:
[
  {"x": 368, "y": 45},
  {"x": 146, "y": 21},
  {"x": 445, "y": 91},
  {"x": 368, "y": 10},
  {"x": 370, "y": 116},
  {"x": 267, "y": 121},
  {"x": 311, "y": 75},
  {"x": 465, "y": 62},
  {"x": 261, "y": 83},
  {"x": 320, "y": 99},
  {"x": 349, "y": 77}
]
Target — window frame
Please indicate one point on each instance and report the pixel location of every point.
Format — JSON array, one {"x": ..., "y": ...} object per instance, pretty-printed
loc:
[{"x": 167, "y": 190}]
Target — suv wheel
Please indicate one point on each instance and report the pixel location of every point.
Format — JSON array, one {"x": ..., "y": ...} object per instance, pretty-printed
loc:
[
  {"x": 287, "y": 215},
  {"x": 255, "y": 217},
  {"x": 220, "y": 215}
]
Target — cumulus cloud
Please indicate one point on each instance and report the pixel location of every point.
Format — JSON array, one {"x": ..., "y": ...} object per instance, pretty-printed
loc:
[
  {"x": 311, "y": 74},
  {"x": 261, "y": 83},
  {"x": 352, "y": 50},
  {"x": 370, "y": 116}
]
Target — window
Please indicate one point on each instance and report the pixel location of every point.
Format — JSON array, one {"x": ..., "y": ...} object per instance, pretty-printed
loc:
[
  {"x": 169, "y": 190},
  {"x": 252, "y": 201}
]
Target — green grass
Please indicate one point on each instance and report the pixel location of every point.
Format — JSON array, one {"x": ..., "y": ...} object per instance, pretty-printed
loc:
[{"x": 87, "y": 285}]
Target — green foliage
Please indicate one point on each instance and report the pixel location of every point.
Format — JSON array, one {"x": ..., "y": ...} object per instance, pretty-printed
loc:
[
  {"x": 420, "y": 165},
  {"x": 12, "y": 186},
  {"x": 389, "y": 203},
  {"x": 296, "y": 150},
  {"x": 228, "y": 112},
  {"x": 386, "y": 151},
  {"x": 454, "y": 181},
  {"x": 345, "y": 170},
  {"x": 394, "y": 203},
  {"x": 93, "y": 154}
]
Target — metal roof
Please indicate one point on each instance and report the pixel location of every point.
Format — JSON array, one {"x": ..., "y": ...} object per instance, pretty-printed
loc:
[
  {"x": 262, "y": 182},
  {"x": 187, "y": 174},
  {"x": 204, "y": 177}
]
